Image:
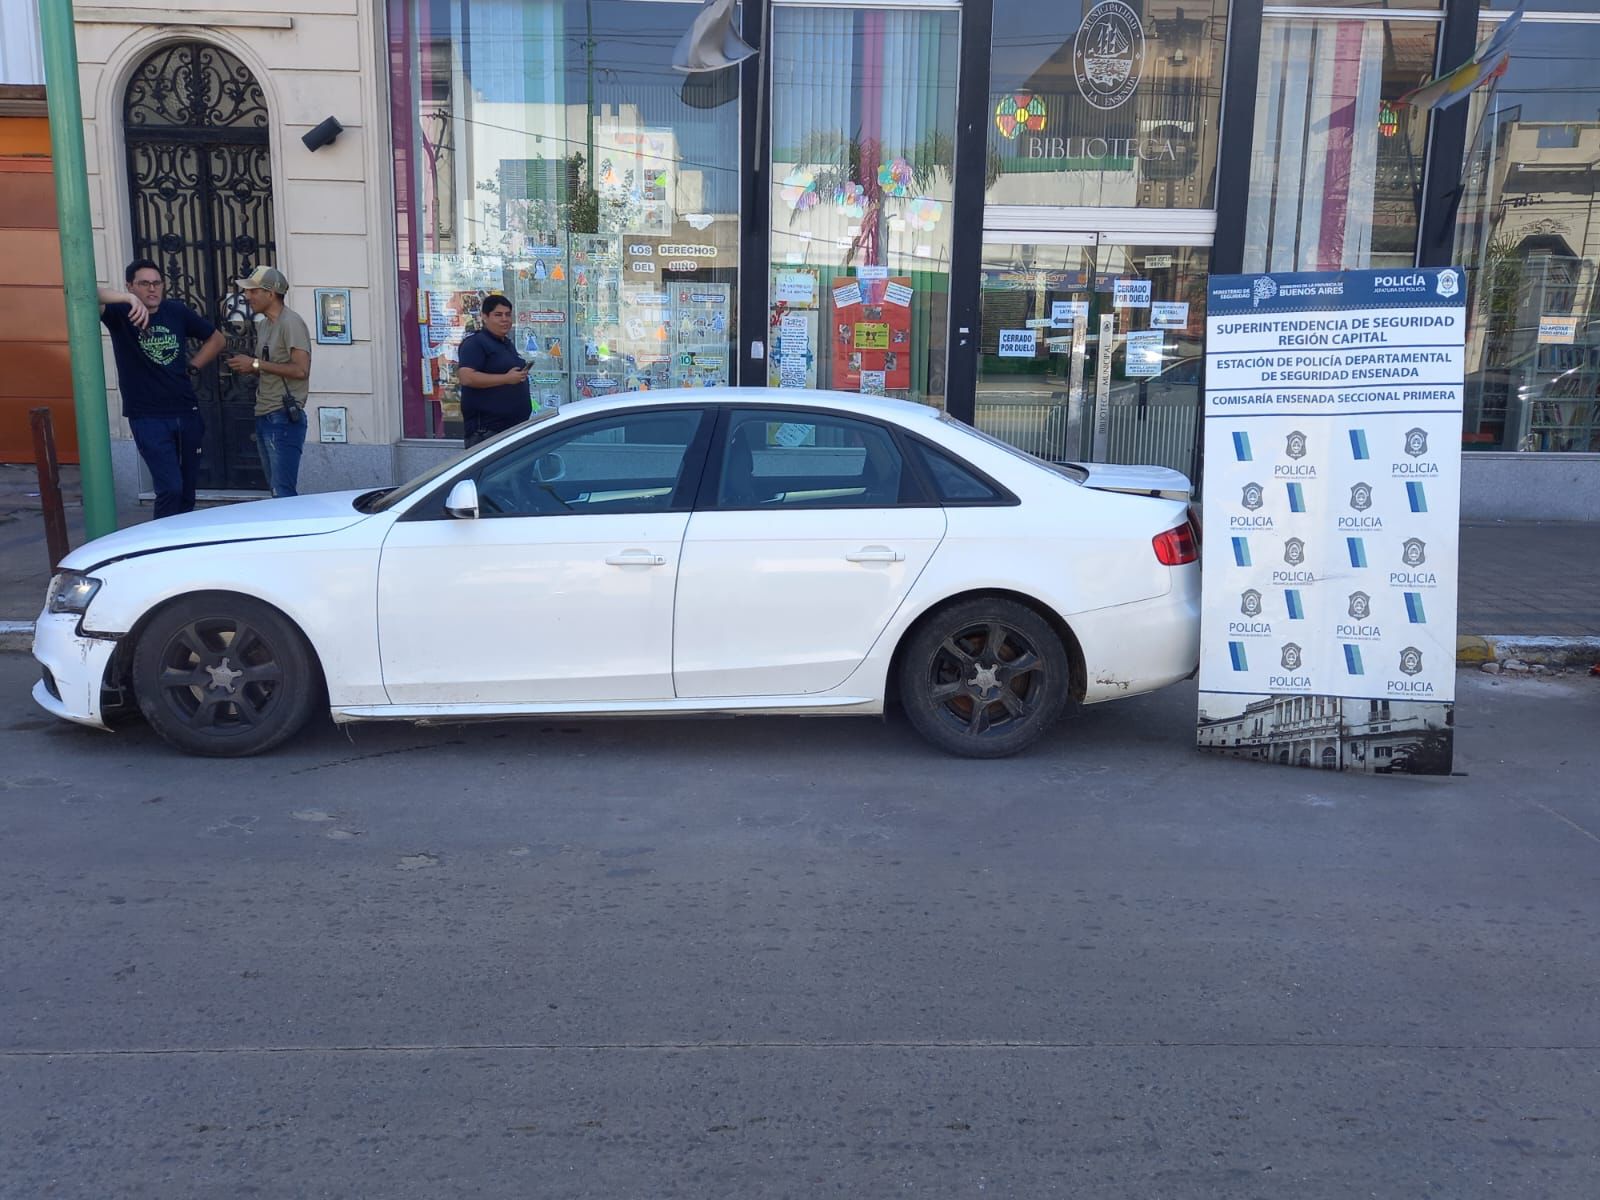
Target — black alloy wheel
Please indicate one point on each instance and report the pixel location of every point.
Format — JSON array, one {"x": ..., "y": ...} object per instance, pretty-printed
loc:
[
  {"x": 223, "y": 676},
  {"x": 984, "y": 678}
]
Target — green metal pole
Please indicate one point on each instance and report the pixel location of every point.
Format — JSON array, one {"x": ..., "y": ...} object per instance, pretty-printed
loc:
[{"x": 77, "y": 265}]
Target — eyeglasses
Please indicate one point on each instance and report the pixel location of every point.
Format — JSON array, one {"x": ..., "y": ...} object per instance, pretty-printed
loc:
[{"x": 148, "y": 282}]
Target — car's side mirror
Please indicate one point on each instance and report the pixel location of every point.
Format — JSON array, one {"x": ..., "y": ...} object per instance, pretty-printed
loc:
[
  {"x": 463, "y": 500},
  {"x": 549, "y": 467}
]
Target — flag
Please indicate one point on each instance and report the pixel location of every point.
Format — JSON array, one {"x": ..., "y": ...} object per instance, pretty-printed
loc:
[
  {"x": 1488, "y": 62},
  {"x": 711, "y": 42}
]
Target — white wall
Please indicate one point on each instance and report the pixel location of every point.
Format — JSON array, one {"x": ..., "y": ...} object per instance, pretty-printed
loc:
[{"x": 333, "y": 211}]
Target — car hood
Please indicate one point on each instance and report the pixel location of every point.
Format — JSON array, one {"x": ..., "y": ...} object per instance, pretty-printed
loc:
[
  {"x": 1136, "y": 480},
  {"x": 292, "y": 516}
]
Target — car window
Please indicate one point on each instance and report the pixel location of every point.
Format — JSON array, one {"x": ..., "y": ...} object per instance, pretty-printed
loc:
[
  {"x": 630, "y": 463},
  {"x": 788, "y": 459},
  {"x": 953, "y": 481},
  {"x": 395, "y": 496},
  {"x": 1069, "y": 470}
]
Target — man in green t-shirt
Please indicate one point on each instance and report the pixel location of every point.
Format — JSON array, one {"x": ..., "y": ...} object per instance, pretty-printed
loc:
[{"x": 283, "y": 362}]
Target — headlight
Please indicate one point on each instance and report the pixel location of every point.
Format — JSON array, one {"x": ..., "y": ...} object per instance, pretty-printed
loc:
[{"x": 70, "y": 592}]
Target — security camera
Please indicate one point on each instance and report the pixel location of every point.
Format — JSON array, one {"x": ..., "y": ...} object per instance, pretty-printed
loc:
[{"x": 323, "y": 134}]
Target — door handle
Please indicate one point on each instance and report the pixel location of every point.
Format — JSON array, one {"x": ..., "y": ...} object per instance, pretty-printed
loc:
[
  {"x": 875, "y": 554},
  {"x": 636, "y": 558}
]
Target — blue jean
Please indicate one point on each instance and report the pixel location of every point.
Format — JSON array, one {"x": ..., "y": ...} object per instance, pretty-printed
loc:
[
  {"x": 280, "y": 442},
  {"x": 170, "y": 447}
]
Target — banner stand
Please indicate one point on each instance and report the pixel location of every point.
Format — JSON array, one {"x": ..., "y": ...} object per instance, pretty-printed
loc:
[{"x": 1332, "y": 513}]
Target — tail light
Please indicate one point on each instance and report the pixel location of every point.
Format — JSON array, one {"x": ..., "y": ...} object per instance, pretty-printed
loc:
[{"x": 1177, "y": 546}]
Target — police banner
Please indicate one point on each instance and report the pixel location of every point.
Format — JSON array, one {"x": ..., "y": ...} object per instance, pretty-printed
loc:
[{"x": 1331, "y": 510}]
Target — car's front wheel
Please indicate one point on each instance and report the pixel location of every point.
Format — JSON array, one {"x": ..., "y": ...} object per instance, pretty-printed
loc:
[
  {"x": 984, "y": 678},
  {"x": 223, "y": 675}
]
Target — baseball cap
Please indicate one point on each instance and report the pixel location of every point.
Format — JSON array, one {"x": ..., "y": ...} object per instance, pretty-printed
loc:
[{"x": 270, "y": 278}]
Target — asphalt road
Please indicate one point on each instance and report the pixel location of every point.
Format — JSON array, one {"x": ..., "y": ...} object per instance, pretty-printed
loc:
[{"x": 799, "y": 958}]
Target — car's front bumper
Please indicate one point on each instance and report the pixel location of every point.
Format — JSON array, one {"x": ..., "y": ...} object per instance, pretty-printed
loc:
[{"x": 74, "y": 669}]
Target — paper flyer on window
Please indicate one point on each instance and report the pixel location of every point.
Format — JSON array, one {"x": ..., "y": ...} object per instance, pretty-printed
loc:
[{"x": 1331, "y": 512}]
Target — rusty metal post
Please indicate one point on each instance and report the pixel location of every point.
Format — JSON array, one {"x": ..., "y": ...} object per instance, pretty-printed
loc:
[{"x": 44, "y": 457}]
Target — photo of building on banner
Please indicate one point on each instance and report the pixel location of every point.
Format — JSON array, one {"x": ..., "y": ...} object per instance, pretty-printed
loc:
[{"x": 1331, "y": 512}]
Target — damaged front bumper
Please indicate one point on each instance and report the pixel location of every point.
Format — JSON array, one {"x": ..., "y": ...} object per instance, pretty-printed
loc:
[{"x": 73, "y": 671}]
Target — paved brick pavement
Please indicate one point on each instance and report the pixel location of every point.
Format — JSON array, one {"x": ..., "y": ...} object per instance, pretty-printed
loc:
[{"x": 1536, "y": 578}]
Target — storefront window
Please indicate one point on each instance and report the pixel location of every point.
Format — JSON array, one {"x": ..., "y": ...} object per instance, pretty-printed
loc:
[
  {"x": 1091, "y": 349},
  {"x": 863, "y": 152},
  {"x": 1105, "y": 105},
  {"x": 1336, "y": 173},
  {"x": 546, "y": 150},
  {"x": 1528, "y": 232}
]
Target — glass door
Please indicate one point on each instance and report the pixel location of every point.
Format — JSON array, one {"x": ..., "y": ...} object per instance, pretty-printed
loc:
[{"x": 1092, "y": 345}]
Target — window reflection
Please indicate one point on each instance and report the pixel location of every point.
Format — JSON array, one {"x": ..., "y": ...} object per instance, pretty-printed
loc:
[
  {"x": 546, "y": 150},
  {"x": 1336, "y": 171},
  {"x": 1529, "y": 237},
  {"x": 1108, "y": 104},
  {"x": 863, "y": 158}
]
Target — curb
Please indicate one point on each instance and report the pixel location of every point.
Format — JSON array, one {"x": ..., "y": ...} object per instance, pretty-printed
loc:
[
  {"x": 1475, "y": 649},
  {"x": 16, "y": 635}
]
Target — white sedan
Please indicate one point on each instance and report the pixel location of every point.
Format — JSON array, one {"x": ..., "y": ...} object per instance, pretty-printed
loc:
[{"x": 736, "y": 551}]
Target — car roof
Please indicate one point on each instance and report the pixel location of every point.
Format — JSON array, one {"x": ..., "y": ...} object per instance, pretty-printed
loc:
[{"x": 882, "y": 407}]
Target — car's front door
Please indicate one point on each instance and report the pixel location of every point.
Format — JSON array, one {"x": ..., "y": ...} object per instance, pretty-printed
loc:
[
  {"x": 806, "y": 539},
  {"x": 562, "y": 588}
]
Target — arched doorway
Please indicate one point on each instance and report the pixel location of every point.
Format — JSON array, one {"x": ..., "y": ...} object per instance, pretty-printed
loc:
[{"x": 200, "y": 204}]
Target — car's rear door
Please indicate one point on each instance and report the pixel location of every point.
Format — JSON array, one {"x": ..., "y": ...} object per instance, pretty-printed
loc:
[
  {"x": 809, "y": 532},
  {"x": 562, "y": 589}
]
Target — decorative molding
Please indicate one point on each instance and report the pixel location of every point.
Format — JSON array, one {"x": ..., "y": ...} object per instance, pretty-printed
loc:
[
  {"x": 23, "y": 100},
  {"x": 95, "y": 15}
]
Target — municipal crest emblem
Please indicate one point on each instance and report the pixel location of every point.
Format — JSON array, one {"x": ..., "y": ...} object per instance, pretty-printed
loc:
[
  {"x": 1294, "y": 552},
  {"x": 1252, "y": 496},
  {"x": 1416, "y": 442},
  {"x": 1361, "y": 496},
  {"x": 1291, "y": 657},
  {"x": 1414, "y": 552},
  {"x": 1295, "y": 445},
  {"x": 1410, "y": 661},
  {"x": 1108, "y": 54},
  {"x": 1360, "y": 606},
  {"x": 1250, "y": 602},
  {"x": 1448, "y": 284}
]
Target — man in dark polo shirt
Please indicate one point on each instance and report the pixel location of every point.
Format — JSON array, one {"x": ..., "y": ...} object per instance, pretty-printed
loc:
[
  {"x": 494, "y": 379},
  {"x": 149, "y": 337}
]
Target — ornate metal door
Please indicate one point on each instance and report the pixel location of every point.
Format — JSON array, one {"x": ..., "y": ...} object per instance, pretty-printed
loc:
[{"x": 200, "y": 197}]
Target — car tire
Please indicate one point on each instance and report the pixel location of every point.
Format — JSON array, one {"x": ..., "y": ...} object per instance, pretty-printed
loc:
[
  {"x": 984, "y": 678},
  {"x": 204, "y": 696}
]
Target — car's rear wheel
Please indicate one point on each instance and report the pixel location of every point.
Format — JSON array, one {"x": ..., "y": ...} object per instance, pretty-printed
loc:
[
  {"x": 223, "y": 675},
  {"x": 984, "y": 678}
]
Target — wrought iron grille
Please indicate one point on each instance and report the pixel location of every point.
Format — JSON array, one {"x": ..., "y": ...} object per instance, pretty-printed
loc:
[{"x": 200, "y": 201}]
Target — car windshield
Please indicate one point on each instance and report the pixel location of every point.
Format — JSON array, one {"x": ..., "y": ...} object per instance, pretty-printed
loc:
[
  {"x": 433, "y": 474},
  {"x": 1068, "y": 470}
]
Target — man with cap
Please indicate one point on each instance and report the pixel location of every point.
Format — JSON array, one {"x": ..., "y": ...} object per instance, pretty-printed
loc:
[
  {"x": 282, "y": 361},
  {"x": 149, "y": 338}
]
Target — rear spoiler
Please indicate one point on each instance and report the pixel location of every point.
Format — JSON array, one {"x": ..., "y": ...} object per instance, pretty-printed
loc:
[{"x": 1162, "y": 482}]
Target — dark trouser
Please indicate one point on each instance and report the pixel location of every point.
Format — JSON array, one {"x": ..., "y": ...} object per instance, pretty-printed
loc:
[
  {"x": 170, "y": 447},
  {"x": 280, "y": 442},
  {"x": 478, "y": 427}
]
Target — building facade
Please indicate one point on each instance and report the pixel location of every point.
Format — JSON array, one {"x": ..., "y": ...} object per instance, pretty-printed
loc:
[
  {"x": 1331, "y": 732},
  {"x": 1000, "y": 208}
]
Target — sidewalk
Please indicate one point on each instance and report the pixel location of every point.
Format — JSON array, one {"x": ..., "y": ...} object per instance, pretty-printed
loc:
[{"x": 1519, "y": 580}]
